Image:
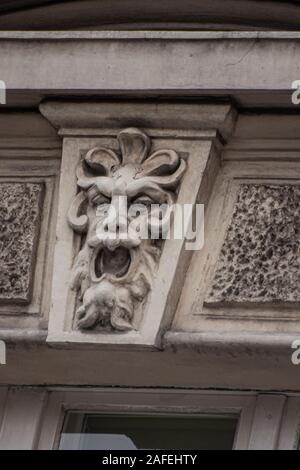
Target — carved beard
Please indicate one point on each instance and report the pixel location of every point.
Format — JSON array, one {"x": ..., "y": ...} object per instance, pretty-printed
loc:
[{"x": 116, "y": 286}]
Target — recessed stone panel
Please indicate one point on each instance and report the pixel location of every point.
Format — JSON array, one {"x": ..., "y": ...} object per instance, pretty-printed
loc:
[
  {"x": 20, "y": 208},
  {"x": 259, "y": 261}
]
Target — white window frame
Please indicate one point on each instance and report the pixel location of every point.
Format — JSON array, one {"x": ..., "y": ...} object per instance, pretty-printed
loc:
[
  {"x": 289, "y": 437},
  {"x": 32, "y": 418},
  {"x": 145, "y": 401}
]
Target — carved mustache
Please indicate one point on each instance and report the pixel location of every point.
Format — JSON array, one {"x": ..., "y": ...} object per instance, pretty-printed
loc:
[{"x": 129, "y": 239}]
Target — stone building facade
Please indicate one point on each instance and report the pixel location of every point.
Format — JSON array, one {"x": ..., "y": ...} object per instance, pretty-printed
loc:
[{"x": 187, "y": 105}]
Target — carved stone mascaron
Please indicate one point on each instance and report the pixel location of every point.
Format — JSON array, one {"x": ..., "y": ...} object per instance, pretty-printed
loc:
[{"x": 113, "y": 275}]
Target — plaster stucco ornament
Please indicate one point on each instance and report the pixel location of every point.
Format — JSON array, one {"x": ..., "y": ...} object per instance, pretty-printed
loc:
[{"x": 113, "y": 272}]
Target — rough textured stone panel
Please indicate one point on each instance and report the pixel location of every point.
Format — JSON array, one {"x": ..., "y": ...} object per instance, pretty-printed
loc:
[
  {"x": 20, "y": 206},
  {"x": 260, "y": 257}
]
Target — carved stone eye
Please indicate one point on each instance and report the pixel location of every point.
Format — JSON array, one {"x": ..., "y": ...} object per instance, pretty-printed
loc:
[
  {"x": 143, "y": 200},
  {"x": 100, "y": 199}
]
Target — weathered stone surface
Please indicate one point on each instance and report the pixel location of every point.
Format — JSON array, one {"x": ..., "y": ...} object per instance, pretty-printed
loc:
[
  {"x": 260, "y": 258},
  {"x": 19, "y": 226}
]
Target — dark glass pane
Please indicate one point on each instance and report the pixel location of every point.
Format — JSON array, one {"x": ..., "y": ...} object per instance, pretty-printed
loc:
[{"x": 97, "y": 431}]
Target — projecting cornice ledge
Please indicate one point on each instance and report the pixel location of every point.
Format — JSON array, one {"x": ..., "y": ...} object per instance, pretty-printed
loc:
[
  {"x": 92, "y": 118},
  {"x": 239, "y": 65}
]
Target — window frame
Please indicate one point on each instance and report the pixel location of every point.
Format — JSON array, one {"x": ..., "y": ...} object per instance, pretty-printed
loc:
[
  {"x": 154, "y": 401},
  {"x": 289, "y": 436}
]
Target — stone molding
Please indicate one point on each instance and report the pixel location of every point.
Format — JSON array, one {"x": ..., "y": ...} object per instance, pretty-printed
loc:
[
  {"x": 263, "y": 313},
  {"x": 31, "y": 244},
  {"x": 236, "y": 56}
]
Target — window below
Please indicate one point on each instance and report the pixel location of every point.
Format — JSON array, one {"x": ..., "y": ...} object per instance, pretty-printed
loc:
[{"x": 88, "y": 431}]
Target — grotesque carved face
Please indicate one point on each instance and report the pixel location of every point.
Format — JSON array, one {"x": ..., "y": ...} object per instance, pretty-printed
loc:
[{"x": 114, "y": 269}]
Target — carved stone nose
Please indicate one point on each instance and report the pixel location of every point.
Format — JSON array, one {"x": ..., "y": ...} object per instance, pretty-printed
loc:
[
  {"x": 112, "y": 225},
  {"x": 116, "y": 220}
]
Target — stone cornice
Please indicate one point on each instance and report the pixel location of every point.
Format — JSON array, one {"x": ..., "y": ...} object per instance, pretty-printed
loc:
[{"x": 150, "y": 64}]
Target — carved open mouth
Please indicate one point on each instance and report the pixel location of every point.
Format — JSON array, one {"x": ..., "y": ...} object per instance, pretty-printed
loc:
[{"x": 115, "y": 262}]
